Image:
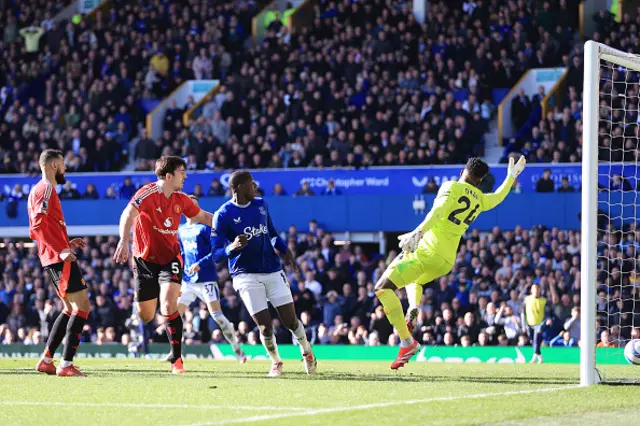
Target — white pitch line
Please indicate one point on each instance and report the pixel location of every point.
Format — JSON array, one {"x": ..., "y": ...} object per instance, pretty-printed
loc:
[
  {"x": 128, "y": 405},
  {"x": 378, "y": 405}
]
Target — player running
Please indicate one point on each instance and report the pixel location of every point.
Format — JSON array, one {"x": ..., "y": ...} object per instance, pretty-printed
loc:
[
  {"x": 430, "y": 250},
  {"x": 200, "y": 279},
  {"x": 155, "y": 210},
  {"x": 56, "y": 253},
  {"x": 244, "y": 234}
]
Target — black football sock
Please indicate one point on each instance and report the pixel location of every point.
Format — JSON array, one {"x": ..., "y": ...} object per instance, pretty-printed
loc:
[
  {"x": 174, "y": 332},
  {"x": 74, "y": 333},
  {"x": 57, "y": 333}
]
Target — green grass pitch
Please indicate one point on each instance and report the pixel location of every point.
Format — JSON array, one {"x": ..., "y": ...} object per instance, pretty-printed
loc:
[{"x": 141, "y": 392}]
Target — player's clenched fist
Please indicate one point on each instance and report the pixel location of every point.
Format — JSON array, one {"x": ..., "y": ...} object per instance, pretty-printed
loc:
[
  {"x": 122, "y": 252},
  {"x": 239, "y": 243}
]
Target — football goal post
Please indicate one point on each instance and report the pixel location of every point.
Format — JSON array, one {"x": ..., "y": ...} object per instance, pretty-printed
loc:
[{"x": 610, "y": 281}]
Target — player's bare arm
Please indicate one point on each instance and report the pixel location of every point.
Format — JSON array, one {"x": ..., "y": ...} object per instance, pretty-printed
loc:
[
  {"x": 127, "y": 219},
  {"x": 204, "y": 217}
]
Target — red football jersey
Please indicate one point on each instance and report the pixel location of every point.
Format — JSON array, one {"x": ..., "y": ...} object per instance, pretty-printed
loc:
[
  {"x": 155, "y": 233},
  {"x": 46, "y": 222}
]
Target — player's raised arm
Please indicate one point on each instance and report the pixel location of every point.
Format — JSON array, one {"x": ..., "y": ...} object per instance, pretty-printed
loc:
[{"x": 514, "y": 169}]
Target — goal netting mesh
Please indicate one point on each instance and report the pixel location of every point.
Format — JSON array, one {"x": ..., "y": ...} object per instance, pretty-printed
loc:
[{"x": 617, "y": 284}]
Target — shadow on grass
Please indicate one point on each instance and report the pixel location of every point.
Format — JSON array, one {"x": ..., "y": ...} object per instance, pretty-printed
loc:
[{"x": 323, "y": 376}]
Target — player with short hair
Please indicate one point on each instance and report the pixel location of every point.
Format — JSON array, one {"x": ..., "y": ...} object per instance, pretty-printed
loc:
[
  {"x": 56, "y": 253},
  {"x": 155, "y": 210},
  {"x": 200, "y": 279},
  {"x": 430, "y": 250},
  {"x": 244, "y": 234}
]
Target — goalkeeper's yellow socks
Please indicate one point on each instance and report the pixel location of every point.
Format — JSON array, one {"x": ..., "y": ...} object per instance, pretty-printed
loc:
[{"x": 393, "y": 310}]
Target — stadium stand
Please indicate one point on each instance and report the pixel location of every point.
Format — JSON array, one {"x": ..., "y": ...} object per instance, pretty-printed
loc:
[{"x": 383, "y": 90}]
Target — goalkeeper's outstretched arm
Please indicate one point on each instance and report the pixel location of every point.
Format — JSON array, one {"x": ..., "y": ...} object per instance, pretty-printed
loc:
[{"x": 494, "y": 198}]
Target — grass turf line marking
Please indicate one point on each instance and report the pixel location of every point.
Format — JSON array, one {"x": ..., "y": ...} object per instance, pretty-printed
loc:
[
  {"x": 127, "y": 405},
  {"x": 314, "y": 412}
]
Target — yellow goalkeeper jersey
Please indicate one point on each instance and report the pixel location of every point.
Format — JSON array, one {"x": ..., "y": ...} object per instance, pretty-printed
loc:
[{"x": 455, "y": 208}]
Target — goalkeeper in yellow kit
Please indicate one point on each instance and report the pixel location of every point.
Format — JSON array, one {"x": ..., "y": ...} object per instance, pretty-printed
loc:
[{"x": 430, "y": 250}]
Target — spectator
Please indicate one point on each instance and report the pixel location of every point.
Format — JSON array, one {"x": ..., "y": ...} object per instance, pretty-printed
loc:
[
  {"x": 90, "y": 192},
  {"x": 619, "y": 183},
  {"x": 69, "y": 192},
  {"x": 431, "y": 187},
  {"x": 110, "y": 194},
  {"x": 278, "y": 190},
  {"x": 329, "y": 190},
  {"x": 520, "y": 109},
  {"x": 305, "y": 190},
  {"x": 127, "y": 189},
  {"x": 545, "y": 183},
  {"x": 216, "y": 189},
  {"x": 564, "y": 186},
  {"x": 572, "y": 325}
]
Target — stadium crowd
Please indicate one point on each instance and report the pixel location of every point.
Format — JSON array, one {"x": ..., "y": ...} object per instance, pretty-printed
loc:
[
  {"x": 363, "y": 85},
  {"x": 96, "y": 73},
  {"x": 479, "y": 303}
]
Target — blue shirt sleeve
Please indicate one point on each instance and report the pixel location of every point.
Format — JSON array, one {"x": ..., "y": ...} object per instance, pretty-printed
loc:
[
  {"x": 273, "y": 234},
  {"x": 209, "y": 256},
  {"x": 219, "y": 249}
]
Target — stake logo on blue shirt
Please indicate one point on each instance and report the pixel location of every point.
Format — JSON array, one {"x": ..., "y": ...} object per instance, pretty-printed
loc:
[{"x": 253, "y": 221}]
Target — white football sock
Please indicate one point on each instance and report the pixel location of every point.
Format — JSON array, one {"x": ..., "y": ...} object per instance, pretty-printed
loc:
[
  {"x": 64, "y": 363},
  {"x": 301, "y": 337},
  {"x": 227, "y": 329},
  {"x": 406, "y": 342},
  {"x": 271, "y": 346}
]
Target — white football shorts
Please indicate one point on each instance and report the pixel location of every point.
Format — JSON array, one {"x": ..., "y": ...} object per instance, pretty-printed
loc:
[
  {"x": 207, "y": 292},
  {"x": 258, "y": 289}
]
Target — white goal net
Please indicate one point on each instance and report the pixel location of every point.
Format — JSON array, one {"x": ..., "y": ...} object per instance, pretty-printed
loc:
[{"x": 610, "y": 293}]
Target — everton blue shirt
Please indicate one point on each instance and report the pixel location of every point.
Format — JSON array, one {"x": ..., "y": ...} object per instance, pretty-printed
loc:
[
  {"x": 253, "y": 221},
  {"x": 196, "y": 248}
]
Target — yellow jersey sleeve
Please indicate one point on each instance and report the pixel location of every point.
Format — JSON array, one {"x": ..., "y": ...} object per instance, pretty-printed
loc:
[{"x": 492, "y": 199}]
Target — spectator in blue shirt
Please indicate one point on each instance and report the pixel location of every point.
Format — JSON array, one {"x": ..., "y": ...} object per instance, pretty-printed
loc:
[
  {"x": 331, "y": 189},
  {"x": 127, "y": 189}
]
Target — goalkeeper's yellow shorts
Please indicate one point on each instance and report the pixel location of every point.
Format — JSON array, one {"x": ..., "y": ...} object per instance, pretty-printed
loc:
[{"x": 420, "y": 267}]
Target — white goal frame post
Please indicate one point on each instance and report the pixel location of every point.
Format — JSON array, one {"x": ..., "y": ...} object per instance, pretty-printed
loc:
[{"x": 593, "y": 54}]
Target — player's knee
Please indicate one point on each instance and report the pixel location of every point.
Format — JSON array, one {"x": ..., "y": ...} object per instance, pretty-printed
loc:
[
  {"x": 146, "y": 317},
  {"x": 290, "y": 323},
  {"x": 168, "y": 307},
  {"x": 384, "y": 283},
  {"x": 266, "y": 330}
]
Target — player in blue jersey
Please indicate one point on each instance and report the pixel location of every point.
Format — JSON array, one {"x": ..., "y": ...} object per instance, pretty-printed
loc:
[
  {"x": 244, "y": 234},
  {"x": 200, "y": 279}
]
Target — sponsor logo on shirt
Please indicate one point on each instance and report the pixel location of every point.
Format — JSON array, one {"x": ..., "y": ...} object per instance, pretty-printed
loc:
[
  {"x": 251, "y": 232},
  {"x": 166, "y": 231},
  {"x": 159, "y": 209},
  {"x": 237, "y": 220},
  {"x": 168, "y": 222}
]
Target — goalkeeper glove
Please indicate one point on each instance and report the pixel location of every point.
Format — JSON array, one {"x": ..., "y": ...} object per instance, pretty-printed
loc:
[
  {"x": 409, "y": 241},
  {"x": 516, "y": 168}
]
